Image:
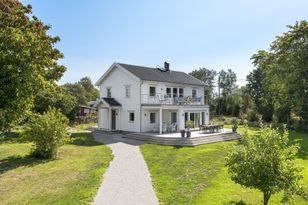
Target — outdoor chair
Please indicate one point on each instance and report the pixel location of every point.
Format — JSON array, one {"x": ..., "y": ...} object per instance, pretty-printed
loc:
[{"x": 173, "y": 127}]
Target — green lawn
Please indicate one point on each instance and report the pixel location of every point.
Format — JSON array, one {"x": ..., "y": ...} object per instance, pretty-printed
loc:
[
  {"x": 196, "y": 175},
  {"x": 71, "y": 179}
]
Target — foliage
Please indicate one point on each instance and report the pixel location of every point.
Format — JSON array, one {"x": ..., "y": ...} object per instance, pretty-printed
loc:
[
  {"x": 226, "y": 82},
  {"x": 47, "y": 132},
  {"x": 282, "y": 75},
  {"x": 265, "y": 162},
  {"x": 257, "y": 89},
  {"x": 208, "y": 77},
  {"x": 91, "y": 92},
  {"x": 57, "y": 98},
  {"x": 28, "y": 60},
  {"x": 234, "y": 125},
  {"x": 72, "y": 179},
  {"x": 189, "y": 124},
  {"x": 197, "y": 175}
]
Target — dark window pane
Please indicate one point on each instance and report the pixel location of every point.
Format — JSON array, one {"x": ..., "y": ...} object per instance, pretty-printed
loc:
[
  {"x": 152, "y": 117},
  {"x": 152, "y": 91}
]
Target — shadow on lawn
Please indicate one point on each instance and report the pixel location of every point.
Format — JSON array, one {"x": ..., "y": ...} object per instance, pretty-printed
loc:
[
  {"x": 10, "y": 137},
  {"x": 83, "y": 139},
  {"x": 14, "y": 162},
  {"x": 241, "y": 202}
]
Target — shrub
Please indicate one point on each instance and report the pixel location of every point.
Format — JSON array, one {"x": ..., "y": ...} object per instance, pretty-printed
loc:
[
  {"x": 47, "y": 132},
  {"x": 189, "y": 124}
]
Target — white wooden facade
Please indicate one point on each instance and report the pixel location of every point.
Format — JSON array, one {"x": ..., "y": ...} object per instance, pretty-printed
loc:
[{"x": 147, "y": 106}]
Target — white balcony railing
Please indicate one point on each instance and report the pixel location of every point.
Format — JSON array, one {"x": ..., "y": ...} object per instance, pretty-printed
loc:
[{"x": 161, "y": 99}]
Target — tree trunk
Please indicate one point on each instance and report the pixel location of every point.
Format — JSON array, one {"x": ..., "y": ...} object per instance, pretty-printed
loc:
[{"x": 266, "y": 197}]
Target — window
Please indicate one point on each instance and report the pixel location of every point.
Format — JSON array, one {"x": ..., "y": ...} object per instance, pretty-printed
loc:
[
  {"x": 152, "y": 91},
  {"x": 194, "y": 93},
  {"x": 109, "y": 92},
  {"x": 131, "y": 116},
  {"x": 175, "y": 92},
  {"x": 173, "y": 117},
  {"x": 168, "y": 92},
  {"x": 181, "y": 92},
  {"x": 127, "y": 91},
  {"x": 152, "y": 118}
]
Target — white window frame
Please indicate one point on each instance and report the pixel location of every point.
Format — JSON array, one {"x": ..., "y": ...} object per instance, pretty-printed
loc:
[
  {"x": 108, "y": 90},
  {"x": 128, "y": 91},
  {"x": 150, "y": 94}
]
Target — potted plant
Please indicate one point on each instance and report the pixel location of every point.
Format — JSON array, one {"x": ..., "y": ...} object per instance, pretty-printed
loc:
[
  {"x": 234, "y": 125},
  {"x": 189, "y": 124},
  {"x": 182, "y": 133}
]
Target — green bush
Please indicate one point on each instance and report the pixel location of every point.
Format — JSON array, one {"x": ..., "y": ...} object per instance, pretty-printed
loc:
[
  {"x": 189, "y": 124},
  {"x": 47, "y": 132}
]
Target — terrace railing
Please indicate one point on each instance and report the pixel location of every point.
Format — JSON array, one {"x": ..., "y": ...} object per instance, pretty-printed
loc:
[{"x": 161, "y": 99}]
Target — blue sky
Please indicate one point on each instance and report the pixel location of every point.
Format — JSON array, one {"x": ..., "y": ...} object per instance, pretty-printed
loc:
[{"x": 188, "y": 34}]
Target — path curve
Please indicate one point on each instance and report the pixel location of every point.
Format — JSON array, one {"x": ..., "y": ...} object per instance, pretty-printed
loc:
[{"x": 127, "y": 180}]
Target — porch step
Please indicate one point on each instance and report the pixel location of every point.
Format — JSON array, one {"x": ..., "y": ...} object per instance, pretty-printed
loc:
[{"x": 206, "y": 139}]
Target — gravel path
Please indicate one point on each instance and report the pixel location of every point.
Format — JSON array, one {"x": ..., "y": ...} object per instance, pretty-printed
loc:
[{"x": 127, "y": 180}]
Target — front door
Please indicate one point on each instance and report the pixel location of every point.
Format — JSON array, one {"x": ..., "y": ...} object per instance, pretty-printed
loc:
[{"x": 113, "y": 119}]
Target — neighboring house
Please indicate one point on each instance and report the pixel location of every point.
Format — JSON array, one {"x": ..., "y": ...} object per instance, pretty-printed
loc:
[
  {"x": 85, "y": 111},
  {"x": 142, "y": 99}
]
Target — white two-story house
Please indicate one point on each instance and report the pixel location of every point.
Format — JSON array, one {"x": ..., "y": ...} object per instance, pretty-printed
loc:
[{"x": 142, "y": 99}]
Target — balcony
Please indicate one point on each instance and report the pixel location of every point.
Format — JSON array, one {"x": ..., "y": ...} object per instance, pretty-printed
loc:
[{"x": 161, "y": 99}]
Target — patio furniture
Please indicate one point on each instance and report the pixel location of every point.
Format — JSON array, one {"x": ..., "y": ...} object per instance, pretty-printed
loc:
[
  {"x": 155, "y": 128},
  {"x": 173, "y": 127},
  {"x": 210, "y": 128}
]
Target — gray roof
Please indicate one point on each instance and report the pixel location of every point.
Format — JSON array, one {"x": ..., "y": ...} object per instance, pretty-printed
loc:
[
  {"x": 112, "y": 102},
  {"x": 153, "y": 74}
]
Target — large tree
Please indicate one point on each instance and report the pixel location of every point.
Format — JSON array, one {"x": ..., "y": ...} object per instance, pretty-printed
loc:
[
  {"x": 91, "y": 92},
  {"x": 207, "y": 76},
  {"x": 285, "y": 69},
  {"x": 57, "y": 98},
  {"x": 28, "y": 60},
  {"x": 227, "y": 81}
]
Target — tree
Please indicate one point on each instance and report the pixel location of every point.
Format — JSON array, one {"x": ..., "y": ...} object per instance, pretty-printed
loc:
[
  {"x": 227, "y": 81},
  {"x": 47, "y": 132},
  {"x": 258, "y": 90},
  {"x": 91, "y": 92},
  {"x": 266, "y": 162},
  {"x": 78, "y": 91},
  {"x": 207, "y": 76},
  {"x": 57, "y": 98},
  {"x": 285, "y": 71},
  {"x": 28, "y": 60}
]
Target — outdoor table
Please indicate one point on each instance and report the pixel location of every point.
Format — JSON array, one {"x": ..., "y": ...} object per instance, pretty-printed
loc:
[{"x": 210, "y": 128}]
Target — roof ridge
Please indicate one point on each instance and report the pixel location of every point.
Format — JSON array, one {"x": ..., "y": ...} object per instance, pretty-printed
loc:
[{"x": 149, "y": 67}]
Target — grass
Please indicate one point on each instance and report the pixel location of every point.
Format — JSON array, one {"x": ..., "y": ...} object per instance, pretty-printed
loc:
[
  {"x": 85, "y": 125},
  {"x": 197, "y": 175},
  {"x": 72, "y": 179}
]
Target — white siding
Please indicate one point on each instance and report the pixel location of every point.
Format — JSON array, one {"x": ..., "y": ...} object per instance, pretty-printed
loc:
[{"x": 117, "y": 80}]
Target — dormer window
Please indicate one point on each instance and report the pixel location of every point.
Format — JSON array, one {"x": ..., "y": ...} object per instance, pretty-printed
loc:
[{"x": 109, "y": 92}]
